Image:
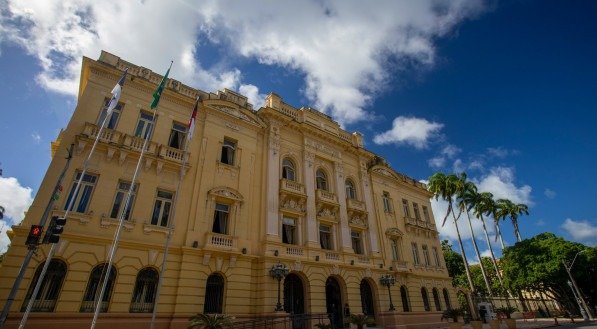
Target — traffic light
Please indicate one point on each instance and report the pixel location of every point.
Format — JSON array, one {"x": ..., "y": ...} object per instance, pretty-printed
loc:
[
  {"x": 34, "y": 235},
  {"x": 55, "y": 228}
]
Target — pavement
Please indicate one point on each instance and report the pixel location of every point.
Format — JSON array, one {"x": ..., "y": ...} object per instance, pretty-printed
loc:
[{"x": 535, "y": 323}]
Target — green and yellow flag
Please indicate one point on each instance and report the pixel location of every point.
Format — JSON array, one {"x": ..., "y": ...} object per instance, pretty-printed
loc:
[{"x": 158, "y": 92}]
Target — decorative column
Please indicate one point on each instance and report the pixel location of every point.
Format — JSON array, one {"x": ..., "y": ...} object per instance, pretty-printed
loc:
[
  {"x": 311, "y": 217},
  {"x": 273, "y": 182},
  {"x": 368, "y": 199},
  {"x": 343, "y": 212}
]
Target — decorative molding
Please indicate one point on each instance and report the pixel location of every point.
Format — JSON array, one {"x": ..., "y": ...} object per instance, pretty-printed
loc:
[
  {"x": 394, "y": 232},
  {"x": 226, "y": 192}
]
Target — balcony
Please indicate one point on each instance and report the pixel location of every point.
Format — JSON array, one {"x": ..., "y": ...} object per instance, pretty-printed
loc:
[
  {"x": 291, "y": 186},
  {"x": 89, "y": 306},
  {"x": 140, "y": 307},
  {"x": 355, "y": 205},
  {"x": 325, "y": 196},
  {"x": 136, "y": 144},
  {"x": 363, "y": 260},
  {"x": 108, "y": 135},
  {"x": 332, "y": 256},
  {"x": 294, "y": 251},
  {"x": 400, "y": 266},
  {"x": 220, "y": 241},
  {"x": 172, "y": 154}
]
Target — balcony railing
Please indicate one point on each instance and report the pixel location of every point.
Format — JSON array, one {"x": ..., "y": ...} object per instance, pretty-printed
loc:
[
  {"x": 141, "y": 307},
  {"x": 421, "y": 223},
  {"x": 410, "y": 221},
  {"x": 107, "y": 136},
  {"x": 363, "y": 260},
  {"x": 41, "y": 305},
  {"x": 89, "y": 306},
  {"x": 292, "y": 186},
  {"x": 332, "y": 256},
  {"x": 326, "y": 196},
  {"x": 400, "y": 265},
  {"x": 220, "y": 240},
  {"x": 171, "y": 153},
  {"x": 136, "y": 143},
  {"x": 294, "y": 251},
  {"x": 355, "y": 204}
]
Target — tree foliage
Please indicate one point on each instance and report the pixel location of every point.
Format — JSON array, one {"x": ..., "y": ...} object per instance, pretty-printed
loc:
[
  {"x": 536, "y": 265},
  {"x": 454, "y": 264}
]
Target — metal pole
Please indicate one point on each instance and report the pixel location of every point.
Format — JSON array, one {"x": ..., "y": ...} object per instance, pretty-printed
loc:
[
  {"x": 392, "y": 308},
  {"x": 581, "y": 302},
  {"x": 29, "y": 255}
]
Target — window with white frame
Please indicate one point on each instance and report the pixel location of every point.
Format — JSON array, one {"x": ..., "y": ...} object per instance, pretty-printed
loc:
[
  {"x": 221, "y": 216},
  {"x": 228, "y": 151},
  {"x": 357, "y": 242},
  {"x": 436, "y": 257},
  {"x": 415, "y": 251},
  {"x": 122, "y": 191},
  {"x": 80, "y": 201},
  {"x": 289, "y": 230},
  {"x": 288, "y": 170},
  {"x": 178, "y": 134},
  {"x": 426, "y": 255},
  {"x": 161, "y": 208},
  {"x": 145, "y": 125},
  {"x": 325, "y": 237},
  {"x": 416, "y": 211},
  {"x": 114, "y": 116},
  {"x": 387, "y": 204},
  {"x": 426, "y": 214},
  {"x": 321, "y": 180},
  {"x": 351, "y": 193}
]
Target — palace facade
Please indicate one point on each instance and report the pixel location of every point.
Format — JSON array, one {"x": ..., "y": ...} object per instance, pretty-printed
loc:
[{"x": 277, "y": 185}]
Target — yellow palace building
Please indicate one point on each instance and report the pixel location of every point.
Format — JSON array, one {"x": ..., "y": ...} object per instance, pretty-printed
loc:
[{"x": 278, "y": 186}]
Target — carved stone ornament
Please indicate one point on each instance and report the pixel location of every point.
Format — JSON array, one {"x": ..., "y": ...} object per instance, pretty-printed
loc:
[
  {"x": 226, "y": 192},
  {"x": 394, "y": 232},
  {"x": 356, "y": 220},
  {"x": 327, "y": 213},
  {"x": 385, "y": 172},
  {"x": 293, "y": 204}
]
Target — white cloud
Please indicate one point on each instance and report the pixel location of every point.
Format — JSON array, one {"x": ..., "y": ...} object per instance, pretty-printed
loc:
[
  {"x": 436, "y": 162},
  {"x": 36, "y": 137},
  {"x": 409, "y": 130},
  {"x": 500, "y": 182},
  {"x": 550, "y": 194},
  {"x": 581, "y": 230},
  {"x": 346, "y": 50},
  {"x": 252, "y": 93},
  {"x": 450, "y": 151},
  {"x": 458, "y": 166},
  {"x": 476, "y": 165},
  {"x": 498, "y": 152},
  {"x": 15, "y": 199}
]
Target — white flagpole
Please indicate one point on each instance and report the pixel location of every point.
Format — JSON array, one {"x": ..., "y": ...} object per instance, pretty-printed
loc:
[
  {"x": 66, "y": 213},
  {"x": 98, "y": 299},
  {"x": 171, "y": 226}
]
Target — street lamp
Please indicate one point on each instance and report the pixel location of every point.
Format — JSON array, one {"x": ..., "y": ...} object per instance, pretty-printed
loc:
[
  {"x": 388, "y": 280},
  {"x": 584, "y": 310},
  {"x": 278, "y": 272}
]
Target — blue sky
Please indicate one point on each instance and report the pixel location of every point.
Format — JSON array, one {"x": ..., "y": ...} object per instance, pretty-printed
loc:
[{"x": 504, "y": 90}]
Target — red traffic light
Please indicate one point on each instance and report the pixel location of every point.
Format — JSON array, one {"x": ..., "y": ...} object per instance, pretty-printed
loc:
[{"x": 36, "y": 230}]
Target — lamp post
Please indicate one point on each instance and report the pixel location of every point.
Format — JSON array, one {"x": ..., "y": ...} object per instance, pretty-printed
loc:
[
  {"x": 278, "y": 272},
  {"x": 584, "y": 310},
  {"x": 388, "y": 280}
]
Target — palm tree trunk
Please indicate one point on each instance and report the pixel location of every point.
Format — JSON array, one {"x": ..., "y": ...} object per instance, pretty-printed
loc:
[
  {"x": 487, "y": 285},
  {"x": 466, "y": 268},
  {"x": 499, "y": 234},
  {"x": 516, "y": 230},
  {"x": 495, "y": 265}
]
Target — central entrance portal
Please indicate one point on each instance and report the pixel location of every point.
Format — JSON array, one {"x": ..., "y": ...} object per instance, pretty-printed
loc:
[
  {"x": 333, "y": 302},
  {"x": 294, "y": 300}
]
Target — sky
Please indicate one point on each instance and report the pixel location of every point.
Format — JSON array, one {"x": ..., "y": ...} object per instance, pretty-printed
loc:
[{"x": 505, "y": 91}]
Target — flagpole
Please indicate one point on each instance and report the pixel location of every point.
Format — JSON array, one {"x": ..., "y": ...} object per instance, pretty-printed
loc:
[
  {"x": 71, "y": 202},
  {"x": 171, "y": 224},
  {"x": 154, "y": 105}
]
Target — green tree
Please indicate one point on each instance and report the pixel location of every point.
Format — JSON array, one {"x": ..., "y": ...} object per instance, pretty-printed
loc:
[
  {"x": 536, "y": 265},
  {"x": 211, "y": 321},
  {"x": 513, "y": 210},
  {"x": 454, "y": 264}
]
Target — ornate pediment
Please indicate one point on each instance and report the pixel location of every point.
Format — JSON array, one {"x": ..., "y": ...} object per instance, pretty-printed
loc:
[
  {"x": 226, "y": 192},
  {"x": 394, "y": 232},
  {"x": 236, "y": 113},
  {"x": 385, "y": 172}
]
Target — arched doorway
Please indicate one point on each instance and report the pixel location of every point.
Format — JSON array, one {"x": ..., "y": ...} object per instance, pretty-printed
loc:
[
  {"x": 294, "y": 299},
  {"x": 367, "y": 299},
  {"x": 333, "y": 302}
]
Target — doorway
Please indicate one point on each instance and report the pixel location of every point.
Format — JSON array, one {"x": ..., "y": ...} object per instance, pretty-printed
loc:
[
  {"x": 294, "y": 300},
  {"x": 333, "y": 302}
]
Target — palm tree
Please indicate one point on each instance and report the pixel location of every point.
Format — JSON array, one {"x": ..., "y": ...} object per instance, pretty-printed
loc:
[
  {"x": 514, "y": 210},
  {"x": 466, "y": 197},
  {"x": 446, "y": 187},
  {"x": 211, "y": 321},
  {"x": 499, "y": 210}
]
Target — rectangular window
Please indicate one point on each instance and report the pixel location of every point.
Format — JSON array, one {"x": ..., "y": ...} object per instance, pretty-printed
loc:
[
  {"x": 357, "y": 242},
  {"x": 161, "y": 208},
  {"x": 426, "y": 255},
  {"x": 289, "y": 230},
  {"x": 221, "y": 215},
  {"x": 325, "y": 237},
  {"x": 436, "y": 257},
  {"x": 415, "y": 251},
  {"x": 120, "y": 198},
  {"x": 426, "y": 214},
  {"x": 113, "y": 120},
  {"x": 144, "y": 125},
  {"x": 416, "y": 211},
  {"x": 228, "y": 150},
  {"x": 80, "y": 201},
  {"x": 386, "y": 202},
  {"x": 405, "y": 208},
  {"x": 394, "y": 248},
  {"x": 178, "y": 134}
]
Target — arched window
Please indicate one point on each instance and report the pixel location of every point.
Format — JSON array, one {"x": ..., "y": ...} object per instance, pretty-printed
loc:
[
  {"x": 94, "y": 286},
  {"x": 214, "y": 294},
  {"x": 46, "y": 298},
  {"x": 351, "y": 193},
  {"x": 447, "y": 298},
  {"x": 288, "y": 170},
  {"x": 438, "y": 306},
  {"x": 425, "y": 299},
  {"x": 145, "y": 289},
  {"x": 321, "y": 180},
  {"x": 404, "y": 296}
]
